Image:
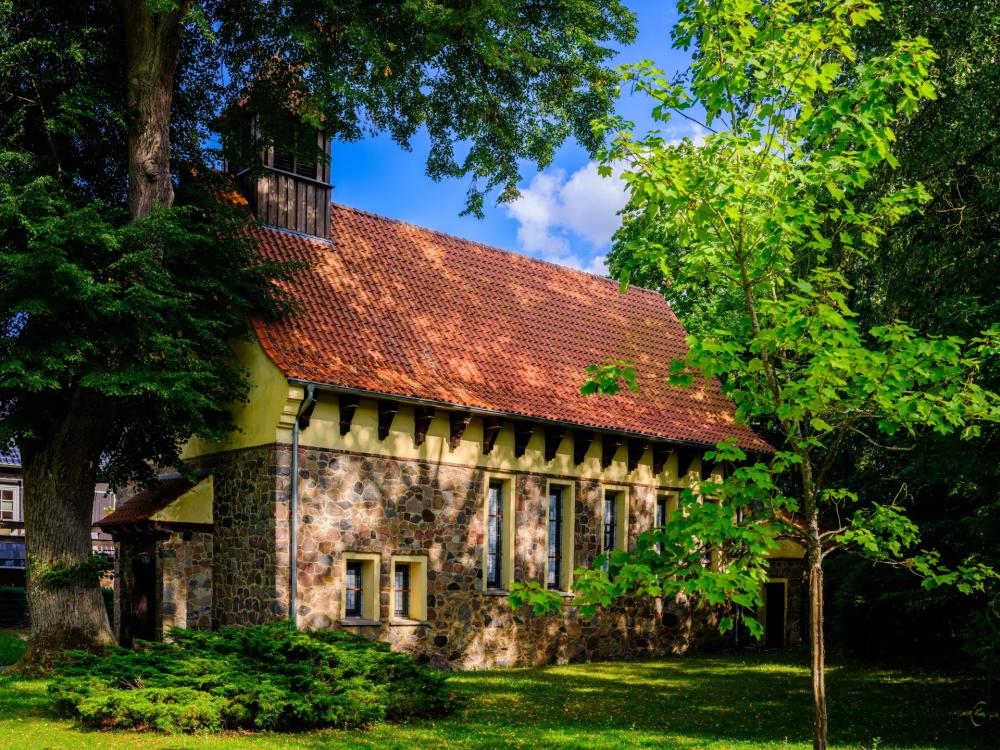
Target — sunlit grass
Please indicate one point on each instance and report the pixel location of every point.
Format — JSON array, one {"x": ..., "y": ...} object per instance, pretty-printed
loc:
[{"x": 737, "y": 701}]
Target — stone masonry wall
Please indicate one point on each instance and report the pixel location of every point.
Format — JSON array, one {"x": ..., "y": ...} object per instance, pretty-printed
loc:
[
  {"x": 250, "y": 534},
  {"x": 385, "y": 506},
  {"x": 359, "y": 503},
  {"x": 186, "y": 581}
]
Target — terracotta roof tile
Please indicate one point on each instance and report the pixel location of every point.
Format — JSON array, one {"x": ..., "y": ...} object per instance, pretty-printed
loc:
[{"x": 396, "y": 309}]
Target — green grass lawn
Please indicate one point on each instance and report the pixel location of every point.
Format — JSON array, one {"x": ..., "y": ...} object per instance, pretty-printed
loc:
[{"x": 713, "y": 701}]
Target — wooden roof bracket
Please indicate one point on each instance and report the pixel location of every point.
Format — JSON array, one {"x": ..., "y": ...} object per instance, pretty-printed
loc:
[
  {"x": 422, "y": 418},
  {"x": 522, "y": 434},
  {"x": 553, "y": 438},
  {"x": 386, "y": 413},
  {"x": 458, "y": 421},
  {"x": 491, "y": 429},
  {"x": 348, "y": 404},
  {"x": 609, "y": 447},
  {"x": 581, "y": 444}
]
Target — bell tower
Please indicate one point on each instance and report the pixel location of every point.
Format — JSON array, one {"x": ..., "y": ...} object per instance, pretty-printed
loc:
[{"x": 292, "y": 193}]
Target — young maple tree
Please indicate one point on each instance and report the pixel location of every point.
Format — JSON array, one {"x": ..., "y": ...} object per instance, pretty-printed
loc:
[
  {"x": 743, "y": 225},
  {"x": 123, "y": 282}
]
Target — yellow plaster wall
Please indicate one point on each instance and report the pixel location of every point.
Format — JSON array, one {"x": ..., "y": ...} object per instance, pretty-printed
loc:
[
  {"x": 194, "y": 506},
  {"x": 787, "y": 549},
  {"x": 324, "y": 432},
  {"x": 260, "y": 418}
]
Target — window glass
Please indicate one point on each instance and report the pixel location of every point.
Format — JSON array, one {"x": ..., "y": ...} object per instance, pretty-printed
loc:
[
  {"x": 494, "y": 542},
  {"x": 8, "y": 507},
  {"x": 354, "y": 588},
  {"x": 401, "y": 590},
  {"x": 555, "y": 536}
]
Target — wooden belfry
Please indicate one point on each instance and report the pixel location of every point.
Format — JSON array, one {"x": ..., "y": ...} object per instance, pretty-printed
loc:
[{"x": 291, "y": 194}]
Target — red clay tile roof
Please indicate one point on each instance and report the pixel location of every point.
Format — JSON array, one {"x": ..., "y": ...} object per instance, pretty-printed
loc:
[
  {"x": 147, "y": 503},
  {"x": 405, "y": 311}
]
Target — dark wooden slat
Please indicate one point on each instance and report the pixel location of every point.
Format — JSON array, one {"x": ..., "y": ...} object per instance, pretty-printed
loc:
[
  {"x": 458, "y": 421},
  {"x": 553, "y": 438},
  {"x": 422, "y": 417},
  {"x": 636, "y": 448},
  {"x": 491, "y": 429},
  {"x": 609, "y": 447},
  {"x": 348, "y": 405},
  {"x": 581, "y": 444},
  {"x": 522, "y": 434},
  {"x": 386, "y": 413}
]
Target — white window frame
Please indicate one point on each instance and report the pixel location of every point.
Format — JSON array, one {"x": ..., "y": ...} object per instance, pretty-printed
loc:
[{"x": 18, "y": 511}]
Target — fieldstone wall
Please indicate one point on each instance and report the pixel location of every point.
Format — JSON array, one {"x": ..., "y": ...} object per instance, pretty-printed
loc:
[
  {"x": 371, "y": 504},
  {"x": 250, "y": 534},
  {"x": 359, "y": 503},
  {"x": 186, "y": 581}
]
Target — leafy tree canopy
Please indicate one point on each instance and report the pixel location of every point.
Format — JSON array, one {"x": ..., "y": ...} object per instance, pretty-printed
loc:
[{"x": 747, "y": 229}]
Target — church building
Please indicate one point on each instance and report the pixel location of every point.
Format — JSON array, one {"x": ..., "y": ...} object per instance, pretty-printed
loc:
[{"x": 415, "y": 440}]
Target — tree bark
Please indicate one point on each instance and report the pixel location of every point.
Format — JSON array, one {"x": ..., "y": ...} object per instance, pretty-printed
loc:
[
  {"x": 817, "y": 648},
  {"x": 153, "y": 43},
  {"x": 817, "y": 645},
  {"x": 59, "y": 478}
]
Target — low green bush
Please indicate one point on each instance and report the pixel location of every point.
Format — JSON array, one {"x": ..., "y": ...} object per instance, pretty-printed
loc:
[{"x": 267, "y": 677}]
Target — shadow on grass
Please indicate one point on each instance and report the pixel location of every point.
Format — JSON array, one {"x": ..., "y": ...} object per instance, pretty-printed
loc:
[
  {"x": 746, "y": 700},
  {"x": 740, "y": 698}
]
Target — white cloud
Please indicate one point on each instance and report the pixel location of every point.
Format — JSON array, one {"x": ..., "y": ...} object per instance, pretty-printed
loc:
[{"x": 569, "y": 220}]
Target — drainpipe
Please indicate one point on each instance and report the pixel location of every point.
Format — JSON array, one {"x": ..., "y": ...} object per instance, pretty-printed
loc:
[{"x": 301, "y": 421}]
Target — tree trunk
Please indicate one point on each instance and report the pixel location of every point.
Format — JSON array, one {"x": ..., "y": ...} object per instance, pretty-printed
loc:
[
  {"x": 153, "y": 43},
  {"x": 817, "y": 648},
  {"x": 59, "y": 478}
]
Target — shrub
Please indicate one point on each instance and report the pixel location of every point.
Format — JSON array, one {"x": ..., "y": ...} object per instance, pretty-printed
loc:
[{"x": 271, "y": 677}]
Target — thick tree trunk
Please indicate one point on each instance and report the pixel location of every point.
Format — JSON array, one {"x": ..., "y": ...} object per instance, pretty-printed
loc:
[
  {"x": 59, "y": 477},
  {"x": 153, "y": 43}
]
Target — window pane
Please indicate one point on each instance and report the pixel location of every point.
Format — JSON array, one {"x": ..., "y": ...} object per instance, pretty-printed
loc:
[
  {"x": 494, "y": 541},
  {"x": 6, "y": 505},
  {"x": 555, "y": 536},
  {"x": 401, "y": 603},
  {"x": 353, "y": 588},
  {"x": 610, "y": 519}
]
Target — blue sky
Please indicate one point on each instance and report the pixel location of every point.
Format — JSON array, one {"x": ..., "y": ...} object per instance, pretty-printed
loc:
[{"x": 566, "y": 214}]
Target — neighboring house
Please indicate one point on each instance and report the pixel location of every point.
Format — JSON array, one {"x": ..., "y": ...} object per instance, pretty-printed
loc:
[
  {"x": 12, "y": 492},
  {"x": 415, "y": 440}
]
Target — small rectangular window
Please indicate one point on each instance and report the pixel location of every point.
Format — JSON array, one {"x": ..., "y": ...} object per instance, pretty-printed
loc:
[
  {"x": 661, "y": 511},
  {"x": 10, "y": 503},
  {"x": 401, "y": 590},
  {"x": 555, "y": 537},
  {"x": 495, "y": 540},
  {"x": 610, "y": 520},
  {"x": 354, "y": 589},
  {"x": 408, "y": 576}
]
